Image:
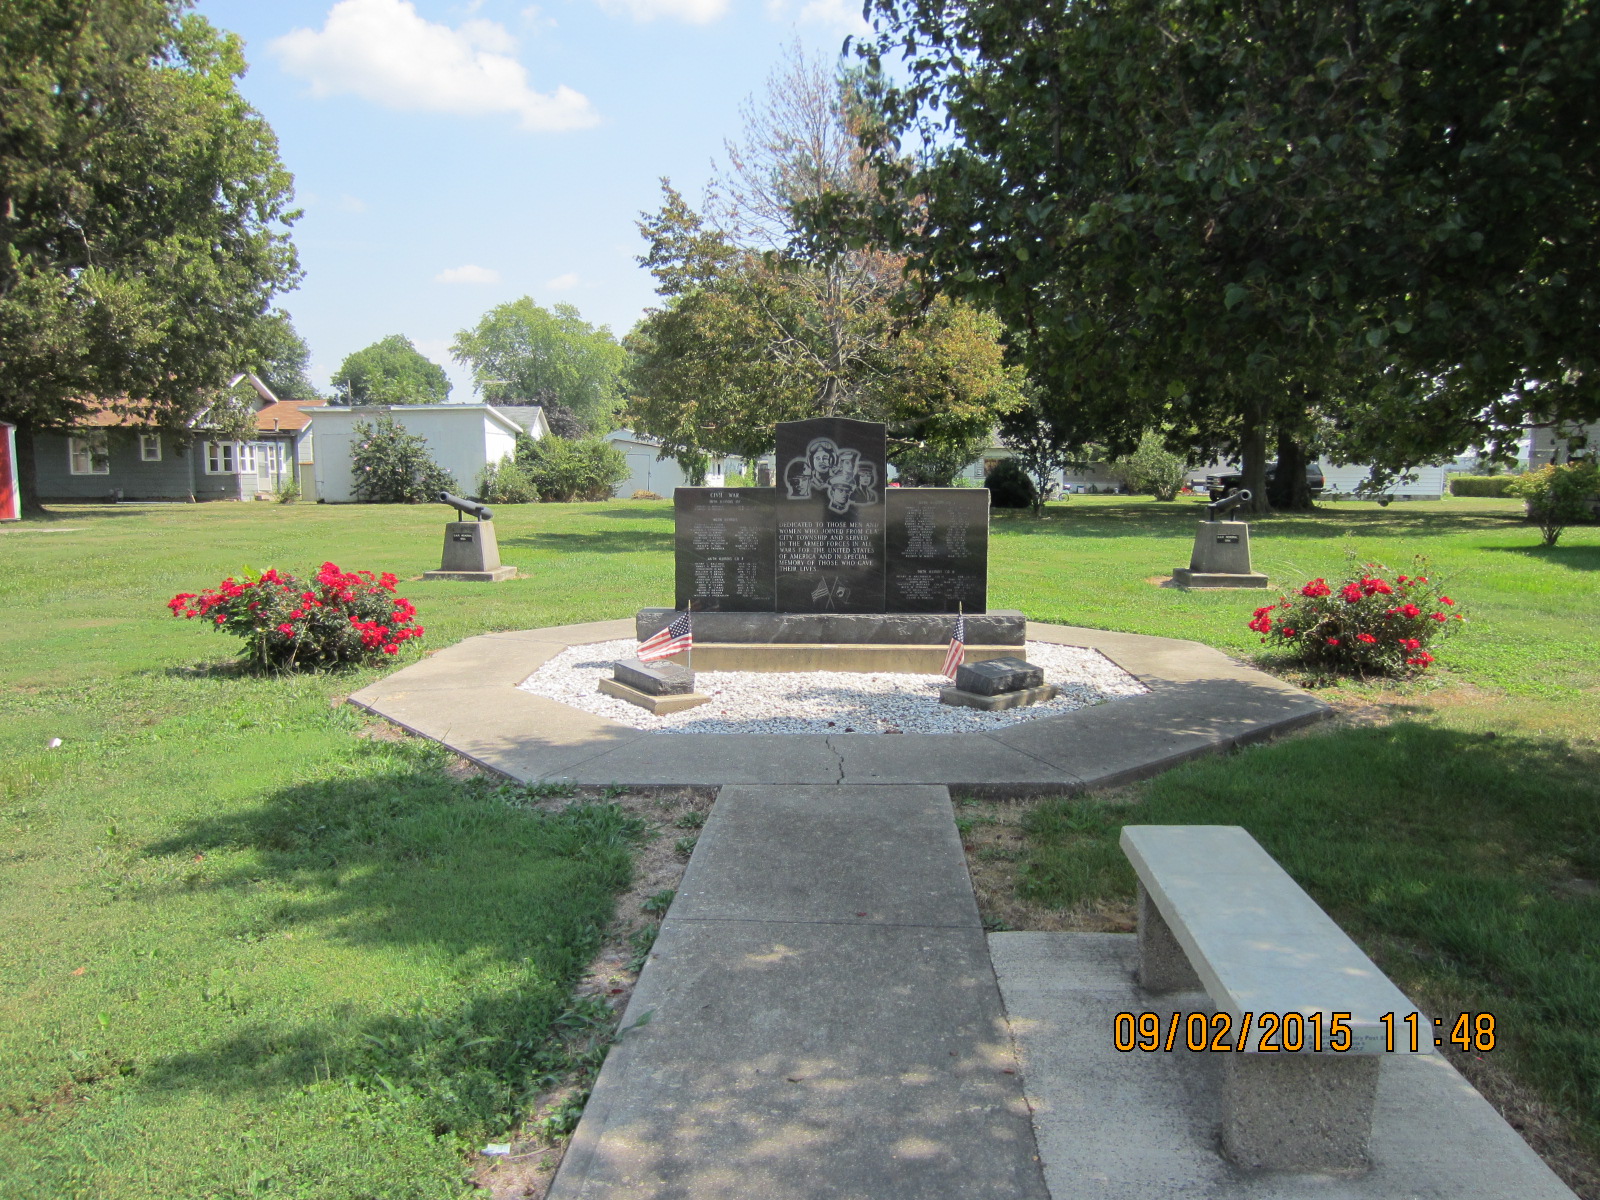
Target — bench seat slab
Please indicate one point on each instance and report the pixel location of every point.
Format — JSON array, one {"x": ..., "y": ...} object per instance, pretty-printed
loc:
[{"x": 1257, "y": 943}]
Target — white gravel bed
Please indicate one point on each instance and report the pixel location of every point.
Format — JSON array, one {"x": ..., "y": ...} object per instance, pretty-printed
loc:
[{"x": 826, "y": 701}]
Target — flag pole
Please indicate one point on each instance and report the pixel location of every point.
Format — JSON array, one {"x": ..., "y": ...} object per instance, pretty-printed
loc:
[{"x": 688, "y": 655}]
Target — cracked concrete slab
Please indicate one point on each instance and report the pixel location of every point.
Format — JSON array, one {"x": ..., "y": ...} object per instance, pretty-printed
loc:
[{"x": 1200, "y": 702}]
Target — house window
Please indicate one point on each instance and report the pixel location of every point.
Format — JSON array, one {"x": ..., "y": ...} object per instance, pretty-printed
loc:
[
  {"x": 149, "y": 447},
  {"x": 222, "y": 458},
  {"x": 88, "y": 455},
  {"x": 247, "y": 458}
]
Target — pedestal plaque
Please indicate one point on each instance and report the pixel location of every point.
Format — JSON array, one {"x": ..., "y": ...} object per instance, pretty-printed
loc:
[
  {"x": 830, "y": 516},
  {"x": 937, "y": 549},
  {"x": 725, "y": 545}
]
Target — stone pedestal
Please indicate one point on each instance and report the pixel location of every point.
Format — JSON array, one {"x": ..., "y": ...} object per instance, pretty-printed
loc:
[
  {"x": 471, "y": 554},
  {"x": 1221, "y": 558},
  {"x": 660, "y": 705},
  {"x": 1298, "y": 1112}
]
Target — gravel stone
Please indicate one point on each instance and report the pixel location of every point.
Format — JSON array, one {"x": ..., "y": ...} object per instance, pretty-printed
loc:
[{"x": 827, "y": 701}]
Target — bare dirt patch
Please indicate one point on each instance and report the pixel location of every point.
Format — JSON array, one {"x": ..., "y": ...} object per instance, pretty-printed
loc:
[{"x": 673, "y": 817}]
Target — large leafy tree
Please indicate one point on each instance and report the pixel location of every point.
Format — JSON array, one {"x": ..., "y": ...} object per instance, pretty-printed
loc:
[
  {"x": 390, "y": 371},
  {"x": 143, "y": 214},
  {"x": 1374, "y": 220},
  {"x": 752, "y": 333},
  {"x": 522, "y": 353},
  {"x": 281, "y": 358}
]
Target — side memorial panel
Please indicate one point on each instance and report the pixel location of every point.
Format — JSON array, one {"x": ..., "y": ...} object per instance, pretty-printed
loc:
[
  {"x": 725, "y": 547},
  {"x": 937, "y": 549}
]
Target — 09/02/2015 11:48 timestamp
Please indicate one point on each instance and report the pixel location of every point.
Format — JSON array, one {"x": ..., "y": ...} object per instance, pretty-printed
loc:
[{"x": 1294, "y": 1032}]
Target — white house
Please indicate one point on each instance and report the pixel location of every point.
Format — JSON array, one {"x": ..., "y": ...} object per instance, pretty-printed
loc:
[
  {"x": 647, "y": 472},
  {"x": 462, "y": 438}
]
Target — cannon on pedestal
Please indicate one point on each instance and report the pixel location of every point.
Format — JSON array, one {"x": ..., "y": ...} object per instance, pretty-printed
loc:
[
  {"x": 470, "y": 550},
  {"x": 1221, "y": 556}
]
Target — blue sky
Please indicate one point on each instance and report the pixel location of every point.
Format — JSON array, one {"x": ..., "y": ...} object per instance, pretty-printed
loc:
[{"x": 454, "y": 154}]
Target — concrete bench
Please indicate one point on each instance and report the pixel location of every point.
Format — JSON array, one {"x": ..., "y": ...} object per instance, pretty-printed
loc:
[{"x": 1216, "y": 912}]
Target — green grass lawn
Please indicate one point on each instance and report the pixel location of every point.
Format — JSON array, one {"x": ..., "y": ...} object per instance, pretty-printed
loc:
[{"x": 252, "y": 951}]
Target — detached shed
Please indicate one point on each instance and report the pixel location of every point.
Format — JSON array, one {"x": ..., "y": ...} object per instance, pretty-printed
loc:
[
  {"x": 10, "y": 493},
  {"x": 462, "y": 438}
]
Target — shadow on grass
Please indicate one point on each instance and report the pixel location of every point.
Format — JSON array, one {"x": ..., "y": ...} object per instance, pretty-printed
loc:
[
  {"x": 1575, "y": 558},
  {"x": 477, "y": 915},
  {"x": 1135, "y": 519},
  {"x": 621, "y": 541}
]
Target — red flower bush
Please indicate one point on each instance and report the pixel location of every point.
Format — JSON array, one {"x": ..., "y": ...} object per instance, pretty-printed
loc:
[
  {"x": 346, "y": 617},
  {"x": 1367, "y": 625}
]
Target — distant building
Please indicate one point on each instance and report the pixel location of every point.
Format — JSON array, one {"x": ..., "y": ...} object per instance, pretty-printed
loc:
[
  {"x": 649, "y": 472},
  {"x": 461, "y": 438},
  {"x": 108, "y": 455},
  {"x": 1562, "y": 441}
]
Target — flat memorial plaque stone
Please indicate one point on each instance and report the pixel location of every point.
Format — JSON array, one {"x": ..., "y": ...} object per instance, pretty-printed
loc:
[
  {"x": 937, "y": 549},
  {"x": 654, "y": 678},
  {"x": 993, "y": 676},
  {"x": 830, "y": 516},
  {"x": 725, "y": 545}
]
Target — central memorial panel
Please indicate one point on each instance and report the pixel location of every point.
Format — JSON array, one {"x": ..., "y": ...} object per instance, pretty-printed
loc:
[{"x": 830, "y": 516}]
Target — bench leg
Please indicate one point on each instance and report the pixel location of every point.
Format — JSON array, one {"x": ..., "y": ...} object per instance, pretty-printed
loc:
[
  {"x": 1163, "y": 966},
  {"x": 1298, "y": 1112}
]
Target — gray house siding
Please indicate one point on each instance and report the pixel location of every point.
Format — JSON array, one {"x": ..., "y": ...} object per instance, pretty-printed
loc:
[{"x": 180, "y": 475}]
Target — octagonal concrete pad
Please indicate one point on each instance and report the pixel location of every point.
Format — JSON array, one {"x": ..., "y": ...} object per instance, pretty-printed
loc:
[{"x": 1200, "y": 702}]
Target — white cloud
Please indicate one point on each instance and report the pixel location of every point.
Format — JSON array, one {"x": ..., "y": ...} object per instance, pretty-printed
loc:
[
  {"x": 563, "y": 283},
  {"x": 383, "y": 51},
  {"x": 841, "y": 15},
  {"x": 468, "y": 274},
  {"x": 696, "y": 12}
]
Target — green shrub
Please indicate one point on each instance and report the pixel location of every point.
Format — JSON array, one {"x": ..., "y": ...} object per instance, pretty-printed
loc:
[
  {"x": 572, "y": 470},
  {"x": 1558, "y": 495},
  {"x": 393, "y": 466},
  {"x": 506, "y": 482},
  {"x": 1009, "y": 485},
  {"x": 1151, "y": 470},
  {"x": 1480, "y": 485},
  {"x": 1366, "y": 625}
]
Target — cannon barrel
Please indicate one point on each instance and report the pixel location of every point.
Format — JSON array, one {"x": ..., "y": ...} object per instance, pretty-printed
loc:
[
  {"x": 1232, "y": 500},
  {"x": 470, "y": 507}
]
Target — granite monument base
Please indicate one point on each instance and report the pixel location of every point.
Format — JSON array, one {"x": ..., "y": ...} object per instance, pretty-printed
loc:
[
  {"x": 866, "y": 658},
  {"x": 910, "y": 643},
  {"x": 659, "y": 705},
  {"x": 999, "y": 627},
  {"x": 1000, "y": 700}
]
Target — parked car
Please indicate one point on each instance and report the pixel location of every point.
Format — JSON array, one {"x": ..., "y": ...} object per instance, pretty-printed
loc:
[{"x": 1218, "y": 486}]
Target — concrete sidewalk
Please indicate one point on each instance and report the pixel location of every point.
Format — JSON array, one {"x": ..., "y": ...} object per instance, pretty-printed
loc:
[{"x": 818, "y": 1019}]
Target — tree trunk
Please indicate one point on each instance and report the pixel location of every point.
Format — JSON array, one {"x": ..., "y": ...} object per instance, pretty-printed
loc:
[
  {"x": 1253, "y": 466},
  {"x": 27, "y": 471},
  {"x": 1290, "y": 491}
]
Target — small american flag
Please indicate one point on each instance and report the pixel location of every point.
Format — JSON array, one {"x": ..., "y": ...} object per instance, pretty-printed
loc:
[
  {"x": 675, "y": 637},
  {"x": 958, "y": 647}
]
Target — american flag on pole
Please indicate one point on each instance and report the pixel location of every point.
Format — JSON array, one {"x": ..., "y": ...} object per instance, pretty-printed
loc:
[
  {"x": 677, "y": 635},
  {"x": 958, "y": 647}
]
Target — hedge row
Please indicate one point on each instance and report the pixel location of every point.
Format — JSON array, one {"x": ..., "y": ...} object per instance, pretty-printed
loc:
[{"x": 1480, "y": 485}]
